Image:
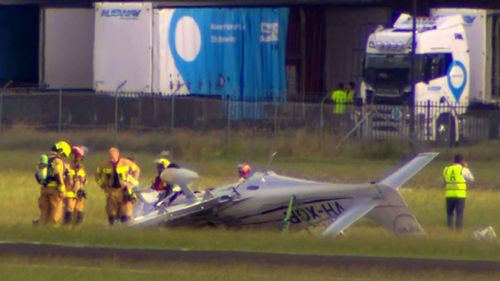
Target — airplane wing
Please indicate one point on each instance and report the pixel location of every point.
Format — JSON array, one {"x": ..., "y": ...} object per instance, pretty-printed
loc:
[
  {"x": 167, "y": 215},
  {"x": 185, "y": 210},
  {"x": 188, "y": 208},
  {"x": 350, "y": 216}
]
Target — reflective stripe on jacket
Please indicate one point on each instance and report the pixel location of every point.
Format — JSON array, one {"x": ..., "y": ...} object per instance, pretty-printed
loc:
[
  {"x": 125, "y": 169},
  {"x": 75, "y": 180},
  {"x": 456, "y": 186}
]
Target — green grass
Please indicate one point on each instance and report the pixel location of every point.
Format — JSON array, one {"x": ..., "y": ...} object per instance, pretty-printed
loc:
[
  {"x": 299, "y": 157},
  {"x": 424, "y": 195},
  {"x": 250, "y": 143}
]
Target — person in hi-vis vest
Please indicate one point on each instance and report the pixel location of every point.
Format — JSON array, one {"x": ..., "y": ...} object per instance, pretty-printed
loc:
[{"x": 455, "y": 178}]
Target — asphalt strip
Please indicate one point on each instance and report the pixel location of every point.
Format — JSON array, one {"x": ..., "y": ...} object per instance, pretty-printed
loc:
[{"x": 38, "y": 250}]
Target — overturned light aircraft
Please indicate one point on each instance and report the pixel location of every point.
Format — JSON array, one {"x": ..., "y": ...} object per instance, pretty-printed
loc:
[{"x": 274, "y": 201}]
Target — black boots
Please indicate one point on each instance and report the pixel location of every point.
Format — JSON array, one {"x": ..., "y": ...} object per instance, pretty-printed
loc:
[
  {"x": 79, "y": 218},
  {"x": 124, "y": 219},
  {"x": 111, "y": 220},
  {"x": 68, "y": 218}
]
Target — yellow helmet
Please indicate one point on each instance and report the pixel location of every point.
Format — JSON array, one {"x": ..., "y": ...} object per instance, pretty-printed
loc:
[
  {"x": 162, "y": 161},
  {"x": 62, "y": 148}
]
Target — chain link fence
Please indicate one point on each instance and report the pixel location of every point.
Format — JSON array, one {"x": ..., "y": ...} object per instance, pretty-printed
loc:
[{"x": 67, "y": 110}]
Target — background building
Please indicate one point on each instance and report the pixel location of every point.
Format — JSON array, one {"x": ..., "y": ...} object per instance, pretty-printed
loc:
[{"x": 50, "y": 44}]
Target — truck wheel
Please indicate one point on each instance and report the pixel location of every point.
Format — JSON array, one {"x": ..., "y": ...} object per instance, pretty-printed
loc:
[{"x": 446, "y": 130}]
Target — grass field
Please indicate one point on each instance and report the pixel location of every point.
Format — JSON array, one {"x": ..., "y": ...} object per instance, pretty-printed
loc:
[{"x": 424, "y": 194}]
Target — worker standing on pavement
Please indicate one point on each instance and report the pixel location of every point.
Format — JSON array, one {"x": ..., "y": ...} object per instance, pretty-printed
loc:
[
  {"x": 456, "y": 177},
  {"x": 74, "y": 201},
  {"x": 52, "y": 180},
  {"x": 116, "y": 178}
]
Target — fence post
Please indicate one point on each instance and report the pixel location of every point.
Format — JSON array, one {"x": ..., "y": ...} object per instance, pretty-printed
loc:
[
  {"x": 275, "y": 135},
  {"x": 172, "y": 124},
  {"x": 321, "y": 113},
  {"x": 59, "y": 111},
  {"x": 1, "y": 109},
  {"x": 116, "y": 103},
  {"x": 1, "y": 101},
  {"x": 450, "y": 140},
  {"x": 428, "y": 121},
  {"x": 116, "y": 111},
  {"x": 155, "y": 110},
  {"x": 139, "y": 111},
  {"x": 228, "y": 112}
]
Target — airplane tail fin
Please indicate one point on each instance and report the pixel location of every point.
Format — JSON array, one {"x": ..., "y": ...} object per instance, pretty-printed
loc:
[
  {"x": 389, "y": 209},
  {"x": 392, "y": 212},
  {"x": 410, "y": 169}
]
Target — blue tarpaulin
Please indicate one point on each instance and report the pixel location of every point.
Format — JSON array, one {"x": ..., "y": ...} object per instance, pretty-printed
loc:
[{"x": 241, "y": 54}]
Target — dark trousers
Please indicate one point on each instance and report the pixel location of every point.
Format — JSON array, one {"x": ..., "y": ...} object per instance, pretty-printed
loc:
[{"x": 456, "y": 205}]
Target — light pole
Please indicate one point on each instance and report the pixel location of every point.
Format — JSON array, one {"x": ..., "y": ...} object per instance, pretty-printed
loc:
[{"x": 412, "y": 68}]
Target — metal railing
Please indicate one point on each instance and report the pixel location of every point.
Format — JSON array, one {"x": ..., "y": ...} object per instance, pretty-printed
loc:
[{"x": 64, "y": 110}]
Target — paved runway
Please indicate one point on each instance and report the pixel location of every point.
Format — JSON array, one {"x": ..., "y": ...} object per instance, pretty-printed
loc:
[{"x": 229, "y": 257}]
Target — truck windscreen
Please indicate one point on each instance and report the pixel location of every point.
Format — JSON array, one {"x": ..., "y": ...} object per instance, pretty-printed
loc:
[{"x": 387, "y": 71}]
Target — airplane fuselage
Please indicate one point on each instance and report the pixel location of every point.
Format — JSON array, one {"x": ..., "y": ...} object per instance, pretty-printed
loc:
[
  {"x": 264, "y": 202},
  {"x": 273, "y": 201}
]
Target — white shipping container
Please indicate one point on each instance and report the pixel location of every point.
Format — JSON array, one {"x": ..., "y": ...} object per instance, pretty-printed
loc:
[
  {"x": 123, "y": 47},
  {"x": 67, "y": 49}
]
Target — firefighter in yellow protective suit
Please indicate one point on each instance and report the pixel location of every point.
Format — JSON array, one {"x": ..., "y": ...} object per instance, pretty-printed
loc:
[
  {"x": 75, "y": 196},
  {"x": 116, "y": 178},
  {"x": 53, "y": 185}
]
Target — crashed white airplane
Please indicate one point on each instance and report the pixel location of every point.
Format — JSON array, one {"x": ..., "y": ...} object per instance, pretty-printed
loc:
[{"x": 271, "y": 200}]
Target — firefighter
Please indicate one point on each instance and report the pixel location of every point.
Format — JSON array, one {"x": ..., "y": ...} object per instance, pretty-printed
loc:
[
  {"x": 116, "y": 178},
  {"x": 165, "y": 189},
  {"x": 52, "y": 180},
  {"x": 161, "y": 165},
  {"x": 244, "y": 171},
  {"x": 74, "y": 201}
]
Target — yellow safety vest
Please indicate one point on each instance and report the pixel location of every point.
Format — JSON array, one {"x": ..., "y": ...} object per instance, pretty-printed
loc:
[
  {"x": 123, "y": 169},
  {"x": 456, "y": 186},
  {"x": 77, "y": 178},
  {"x": 339, "y": 97},
  {"x": 350, "y": 96}
]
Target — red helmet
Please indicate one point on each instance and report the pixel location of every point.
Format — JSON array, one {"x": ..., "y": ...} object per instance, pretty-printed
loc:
[
  {"x": 79, "y": 151},
  {"x": 244, "y": 170}
]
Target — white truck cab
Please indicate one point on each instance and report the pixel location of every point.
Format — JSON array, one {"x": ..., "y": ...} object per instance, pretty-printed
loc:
[{"x": 450, "y": 68}]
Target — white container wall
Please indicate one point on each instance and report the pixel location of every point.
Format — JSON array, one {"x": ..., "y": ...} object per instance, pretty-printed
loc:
[
  {"x": 68, "y": 48},
  {"x": 123, "y": 47}
]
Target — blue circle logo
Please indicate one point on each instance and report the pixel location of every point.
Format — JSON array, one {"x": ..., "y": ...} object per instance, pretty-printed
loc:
[
  {"x": 396, "y": 114},
  {"x": 457, "y": 79}
]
